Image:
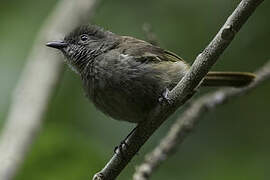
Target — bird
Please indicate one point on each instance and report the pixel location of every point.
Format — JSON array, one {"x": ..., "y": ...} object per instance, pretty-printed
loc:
[{"x": 124, "y": 76}]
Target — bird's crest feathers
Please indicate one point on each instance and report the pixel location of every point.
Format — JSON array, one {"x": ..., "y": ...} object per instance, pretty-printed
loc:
[{"x": 91, "y": 30}]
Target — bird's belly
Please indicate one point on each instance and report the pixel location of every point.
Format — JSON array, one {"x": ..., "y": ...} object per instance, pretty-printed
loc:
[
  {"x": 122, "y": 104},
  {"x": 128, "y": 93},
  {"x": 122, "y": 97}
]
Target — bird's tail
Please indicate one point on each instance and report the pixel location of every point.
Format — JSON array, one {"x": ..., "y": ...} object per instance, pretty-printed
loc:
[{"x": 230, "y": 79}]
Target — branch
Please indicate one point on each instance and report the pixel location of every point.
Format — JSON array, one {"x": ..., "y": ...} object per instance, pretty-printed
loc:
[
  {"x": 189, "y": 119},
  {"x": 149, "y": 34},
  {"x": 182, "y": 92},
  {"x": 36, "y": 85}
]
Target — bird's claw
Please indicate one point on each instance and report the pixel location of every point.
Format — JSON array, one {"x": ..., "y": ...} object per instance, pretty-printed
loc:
[
  {"x": 120, "y": 147},
  {"x": 164, "y": 96}
]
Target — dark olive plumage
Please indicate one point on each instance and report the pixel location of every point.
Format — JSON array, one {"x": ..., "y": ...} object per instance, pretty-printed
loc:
[{"x": 124, "y": 76}]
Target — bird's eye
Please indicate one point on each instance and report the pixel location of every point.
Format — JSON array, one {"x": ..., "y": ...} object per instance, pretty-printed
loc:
[{"x": 84, "y": 37}]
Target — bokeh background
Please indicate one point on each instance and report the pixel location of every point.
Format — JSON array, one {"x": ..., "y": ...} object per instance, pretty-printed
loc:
[{"x": 76, "y": 140}]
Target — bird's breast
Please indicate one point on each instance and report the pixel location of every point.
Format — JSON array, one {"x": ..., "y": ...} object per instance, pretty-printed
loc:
[{"x": 127, "y": 89}]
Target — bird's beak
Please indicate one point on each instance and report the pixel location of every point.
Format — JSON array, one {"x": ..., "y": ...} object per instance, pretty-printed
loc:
[{"x": 57, "y": 44}]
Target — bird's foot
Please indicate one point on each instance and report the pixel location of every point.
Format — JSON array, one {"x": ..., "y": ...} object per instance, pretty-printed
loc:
[
  {"x": 120, "y": 148},
  {"x": 123, "y": 144},
  {"x": 164, "y": 96}
]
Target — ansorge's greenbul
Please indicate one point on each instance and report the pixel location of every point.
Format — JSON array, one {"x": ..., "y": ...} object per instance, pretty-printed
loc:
[{"x": 124, "y": 76}]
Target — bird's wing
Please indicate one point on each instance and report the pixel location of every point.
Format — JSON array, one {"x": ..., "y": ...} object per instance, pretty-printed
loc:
[
  {"x": 157, "y": 57},
  {"x": 170, "y": 56},
  {"x": 146, "y": 52}
]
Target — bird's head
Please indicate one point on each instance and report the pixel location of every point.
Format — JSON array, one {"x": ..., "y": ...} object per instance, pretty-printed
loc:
[{"x": 84, "y": 44}]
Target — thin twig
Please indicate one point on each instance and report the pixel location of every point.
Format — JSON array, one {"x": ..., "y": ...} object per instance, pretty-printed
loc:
[
  {"x": 182, "y": 92},
  {"x": 149, "y": 34},
  {"x": 37, "y": 84},
  {"x": 188, "y": 120}
]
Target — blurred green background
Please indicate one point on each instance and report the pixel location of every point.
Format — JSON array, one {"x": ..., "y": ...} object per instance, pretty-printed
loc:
[{"x": 76, "y": 140}]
